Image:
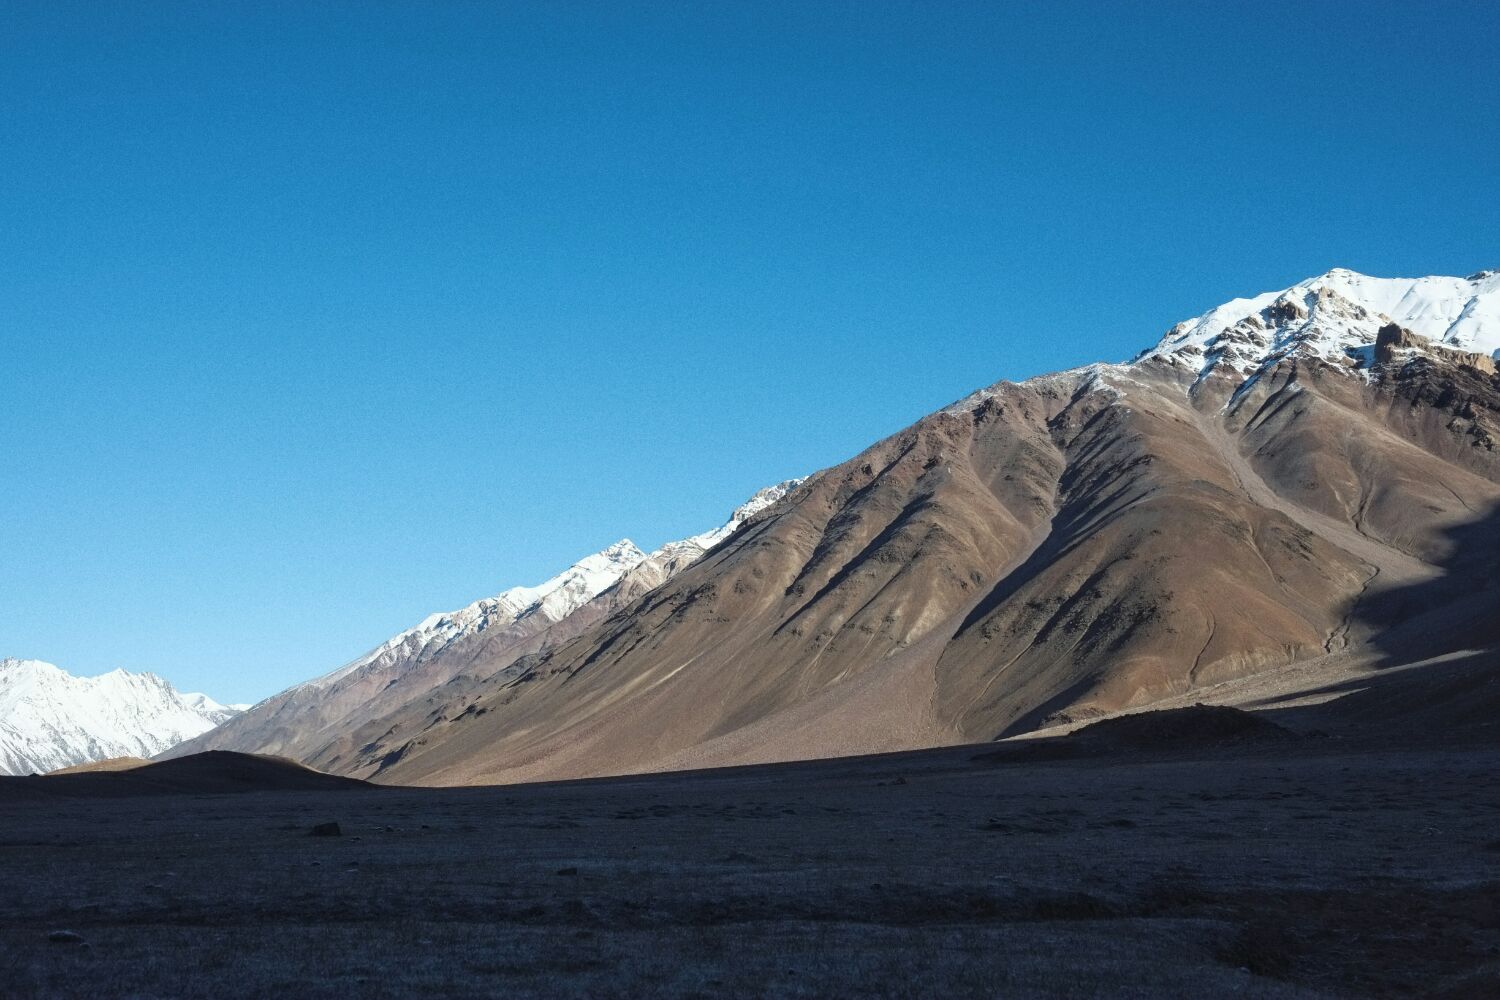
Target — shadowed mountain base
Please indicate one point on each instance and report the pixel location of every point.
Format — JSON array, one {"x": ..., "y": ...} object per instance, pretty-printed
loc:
[{"x": 215, "y": 772}]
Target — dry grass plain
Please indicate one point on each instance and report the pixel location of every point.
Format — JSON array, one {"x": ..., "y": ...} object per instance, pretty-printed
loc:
[{"x": 1304, "y": 868}]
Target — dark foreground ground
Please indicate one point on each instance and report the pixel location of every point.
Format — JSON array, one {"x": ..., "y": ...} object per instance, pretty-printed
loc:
[{"x": 1270, "y": 869}]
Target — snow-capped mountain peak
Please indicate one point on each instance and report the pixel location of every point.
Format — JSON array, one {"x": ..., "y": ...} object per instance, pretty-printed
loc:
[
  {"x": 51, "y": 719},
  {"x": 1334, "y": 316},
  {"x": 210, "y": 709}
]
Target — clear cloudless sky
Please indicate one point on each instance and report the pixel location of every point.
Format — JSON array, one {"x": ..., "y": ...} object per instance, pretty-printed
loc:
[{"x": 316, "y": 318}]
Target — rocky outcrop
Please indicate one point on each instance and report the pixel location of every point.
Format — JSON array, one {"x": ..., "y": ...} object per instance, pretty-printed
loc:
[{"x": 1395, "y": 343}]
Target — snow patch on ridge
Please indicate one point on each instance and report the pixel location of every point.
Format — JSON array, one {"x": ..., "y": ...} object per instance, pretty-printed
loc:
[
  {"x": 760, "y": 501},
  {"x": 554, "y": 599},
  {"x": 1099, "y": 376},
  {"x": 558, "y": 597}
]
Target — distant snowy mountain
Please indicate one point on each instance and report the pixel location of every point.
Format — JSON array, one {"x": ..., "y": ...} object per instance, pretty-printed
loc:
[{"x": 51, "y": 719}]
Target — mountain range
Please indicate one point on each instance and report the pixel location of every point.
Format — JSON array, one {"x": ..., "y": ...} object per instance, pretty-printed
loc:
[
  {"x": 50, "y": 719},
  {"x": 331, "y": 722},
  {"x": 1279, "y": 500}
]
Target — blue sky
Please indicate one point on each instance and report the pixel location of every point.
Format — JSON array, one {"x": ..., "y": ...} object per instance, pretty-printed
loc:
[{"x": 317, "y": 318}]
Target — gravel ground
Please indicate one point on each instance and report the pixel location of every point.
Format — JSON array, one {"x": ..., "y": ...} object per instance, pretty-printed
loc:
[{"x": 1296, "y": 869}]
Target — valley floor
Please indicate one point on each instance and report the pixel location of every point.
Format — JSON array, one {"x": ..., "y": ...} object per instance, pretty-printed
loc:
[{"x": 1316, "y": 868}]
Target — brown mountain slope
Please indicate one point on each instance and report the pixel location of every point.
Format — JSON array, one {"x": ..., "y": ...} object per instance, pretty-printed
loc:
[
  {"x": 1285, "y": 494},
  {"x": 338, "y": 722},
  {"x": 1058, "y": 549},
  {"x": 362, "y": 747},
  {"x": 215, "y": 772},
  {"x": 302, "y": 720}
]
